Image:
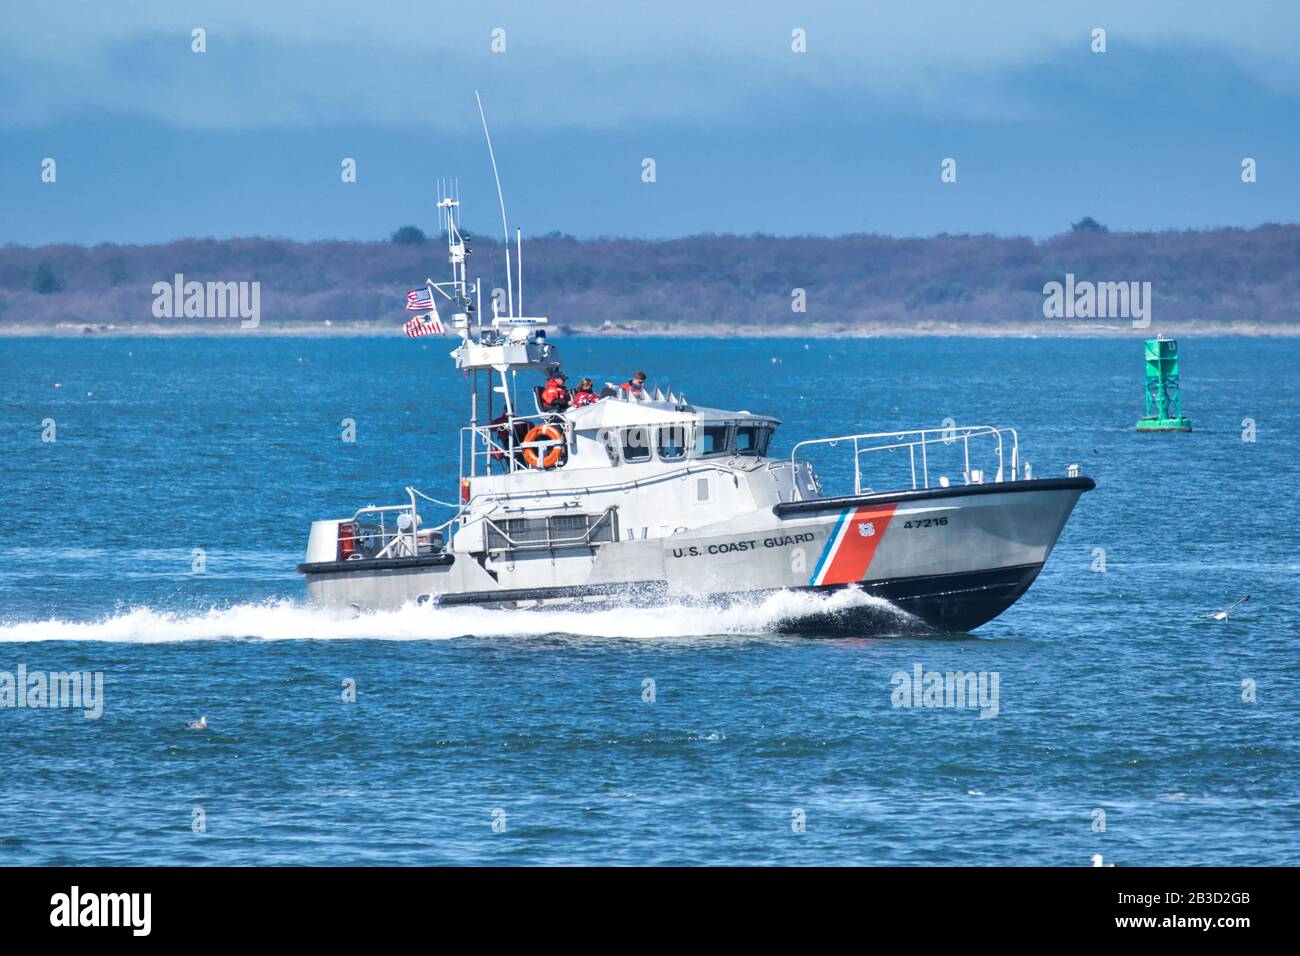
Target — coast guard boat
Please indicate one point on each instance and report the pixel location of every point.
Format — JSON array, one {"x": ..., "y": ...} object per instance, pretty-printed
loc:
[{"x": 645, "y": 496}]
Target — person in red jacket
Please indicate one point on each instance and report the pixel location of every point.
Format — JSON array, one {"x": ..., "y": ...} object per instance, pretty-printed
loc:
[
  {"x": 635, "y": 385},
  {"x": 585, "y": 394},
  {"x": 555, "y": 396}
]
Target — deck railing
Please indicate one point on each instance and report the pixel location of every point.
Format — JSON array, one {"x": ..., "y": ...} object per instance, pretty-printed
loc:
[
  {"x": 369, "y": 534},
  {"x": 918, "y": 442},
  {"x": 501, "y": 443}
]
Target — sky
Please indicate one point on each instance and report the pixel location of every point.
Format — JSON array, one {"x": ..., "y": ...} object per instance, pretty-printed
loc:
[{"x": 153, "y": 141}]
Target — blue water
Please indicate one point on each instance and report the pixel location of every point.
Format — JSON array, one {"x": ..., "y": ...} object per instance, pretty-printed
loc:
[{"x": 1117, "y": 692}]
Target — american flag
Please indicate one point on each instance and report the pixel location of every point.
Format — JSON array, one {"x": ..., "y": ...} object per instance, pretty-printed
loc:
[
  {"x": 420, "y": 300},
  {"x": 418, "y": 326}
]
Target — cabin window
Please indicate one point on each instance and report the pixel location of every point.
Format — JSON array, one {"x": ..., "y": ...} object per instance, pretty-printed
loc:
[
  {"x": 636, "y": 444},
  {"x": 753, "y": 439},
  {"x": 609, "y": 439},
  {"x": 711, "y": 440},
  {"x": 672, "y": 442}
]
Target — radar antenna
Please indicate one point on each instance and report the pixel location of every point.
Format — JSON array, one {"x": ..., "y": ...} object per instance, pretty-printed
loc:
[{"x": 505, "y": 229}]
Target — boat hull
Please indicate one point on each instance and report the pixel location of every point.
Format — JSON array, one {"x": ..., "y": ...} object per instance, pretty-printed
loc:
[{"x": 954, "y": 558}]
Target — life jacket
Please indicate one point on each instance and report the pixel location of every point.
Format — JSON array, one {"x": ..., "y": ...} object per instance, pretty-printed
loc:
[
  {"x": 584, "y": 397},
  {"x": 633, "y": 386},
  {"x": 554, "y": 394}
]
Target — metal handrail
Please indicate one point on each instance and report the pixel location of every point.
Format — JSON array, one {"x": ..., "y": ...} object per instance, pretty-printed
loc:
[
  {"x": 912, "y": 439},
  {"x": 464, "y": 511},
  {"x": 468, "y": 519},
  {"x": 392, "y": 540},
  {"x": 509, "y": 450},
  {"x": 570, "y": 491}
]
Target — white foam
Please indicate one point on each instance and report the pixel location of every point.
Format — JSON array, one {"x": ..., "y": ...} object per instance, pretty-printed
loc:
[
  {"x": 272, "y": 620},
  {"x": 289, "y": 620}
]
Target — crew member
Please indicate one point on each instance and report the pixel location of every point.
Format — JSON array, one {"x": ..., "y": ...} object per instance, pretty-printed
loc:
[
  {"x": 555, "y": 396},
  {"x": 635, "y": 385},
  {"x": 585, "y": 394},
  {"x": 501, "y": 431}
]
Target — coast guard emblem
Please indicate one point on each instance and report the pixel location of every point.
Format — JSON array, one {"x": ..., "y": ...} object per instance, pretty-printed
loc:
[{"x": 867, "y": 529}]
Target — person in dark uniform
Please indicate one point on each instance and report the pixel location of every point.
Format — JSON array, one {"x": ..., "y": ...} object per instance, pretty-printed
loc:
[{"x": 502, "y": 428}]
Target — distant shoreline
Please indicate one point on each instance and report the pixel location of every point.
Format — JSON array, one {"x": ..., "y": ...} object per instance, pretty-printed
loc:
[
  {"x": 1219, "y": 282},
  {"x": 1065, "y": 329}
]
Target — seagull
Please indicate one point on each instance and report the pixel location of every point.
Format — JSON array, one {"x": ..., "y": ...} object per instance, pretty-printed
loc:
[
  {"x": 1223, "y": 615},
  {"x": 200, "y": 724},
  {"x": 1096, "y": 860}
]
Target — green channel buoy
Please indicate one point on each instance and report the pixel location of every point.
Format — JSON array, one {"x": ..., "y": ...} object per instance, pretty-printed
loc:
[{"x": 1164, "y": 395}]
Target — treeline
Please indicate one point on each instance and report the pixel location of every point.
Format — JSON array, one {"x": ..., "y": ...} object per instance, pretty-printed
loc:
[{"x": 1249, "y": 276}]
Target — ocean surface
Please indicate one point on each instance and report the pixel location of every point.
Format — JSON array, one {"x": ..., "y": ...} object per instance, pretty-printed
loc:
[{"x": 491, "y": 737}]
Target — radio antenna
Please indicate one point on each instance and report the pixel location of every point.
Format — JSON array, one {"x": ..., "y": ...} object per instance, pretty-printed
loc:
[{"x": 505, "y": 229}]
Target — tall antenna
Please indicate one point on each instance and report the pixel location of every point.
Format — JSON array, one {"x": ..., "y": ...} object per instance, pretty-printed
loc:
[{"x": 505, "y": 229}]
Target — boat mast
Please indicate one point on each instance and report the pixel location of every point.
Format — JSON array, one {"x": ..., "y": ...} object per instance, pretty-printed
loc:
[
  {"x": 460, "y": 290},
  {"x": 510, "y": 343}
]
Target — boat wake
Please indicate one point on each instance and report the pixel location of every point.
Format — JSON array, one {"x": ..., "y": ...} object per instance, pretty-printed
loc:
[{"x": 845, "y": 611}]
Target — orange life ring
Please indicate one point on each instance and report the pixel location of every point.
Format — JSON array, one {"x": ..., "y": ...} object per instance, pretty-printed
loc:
[{"x": 537, "y": 433}]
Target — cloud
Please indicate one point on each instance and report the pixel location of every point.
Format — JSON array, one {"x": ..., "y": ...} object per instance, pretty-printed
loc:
[{"x": 586, "y": 65}]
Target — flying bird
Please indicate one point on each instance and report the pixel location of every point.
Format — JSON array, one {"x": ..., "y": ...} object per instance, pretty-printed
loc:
[{"x": 1223, "y": 615}]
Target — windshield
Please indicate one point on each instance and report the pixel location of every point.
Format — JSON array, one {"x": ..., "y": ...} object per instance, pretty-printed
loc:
[
  {"x": 711, "y": 439},
  {"x": 753, "y": 439}
]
